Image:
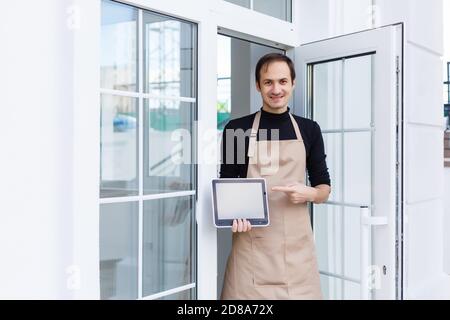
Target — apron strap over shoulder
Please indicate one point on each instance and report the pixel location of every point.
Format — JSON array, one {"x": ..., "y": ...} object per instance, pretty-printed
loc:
[
  {"x": 296, "y": 128},
  {"x": 253, "y": 135}
]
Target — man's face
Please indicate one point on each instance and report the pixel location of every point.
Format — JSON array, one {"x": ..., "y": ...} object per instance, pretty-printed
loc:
[{"x": 275, "y": 86}]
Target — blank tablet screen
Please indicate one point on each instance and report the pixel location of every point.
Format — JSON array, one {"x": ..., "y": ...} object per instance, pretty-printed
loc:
[{"x": 239, "y": 201}]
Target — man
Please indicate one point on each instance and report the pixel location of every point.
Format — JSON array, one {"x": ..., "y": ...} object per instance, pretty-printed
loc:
[{"x": 278, "y": 261}]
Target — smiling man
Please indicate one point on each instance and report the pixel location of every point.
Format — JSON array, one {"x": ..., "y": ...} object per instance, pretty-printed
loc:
[{"x": 278, "y": 261}]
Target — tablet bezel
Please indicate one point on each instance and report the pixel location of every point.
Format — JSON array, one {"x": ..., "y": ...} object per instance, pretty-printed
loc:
[{"x": 227, "y": 223}]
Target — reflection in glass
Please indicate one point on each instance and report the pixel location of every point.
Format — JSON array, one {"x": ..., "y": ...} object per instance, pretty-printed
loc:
[
  {"x": 333, "y": 149},
  {"x": 339, "y": 289},
  {"x": 168, "y": 247},
  {"x": 331, "y": 287},
  {"x": 328, "y": 224},
  {"x": 352, "y": 242},
  {"x": 352, "y": 290},
  {"x": 118, "y": 250},
  {"x": 357, "y": 168},
  {"x": 119, "y": 145},
  {"x": 358, "y": 92},
  {"x": 337, "y": 234},
  {"x": 327, "y": 86},
  {"x": 275, "y": 8},
  {"x": 118, "y": 47},
  {"x": 236, "y": 60},
  {"x": 168, "y": 143},
  {"x": 169, "y": 56},
  {"x": 337, "y": 237},
  {"x": 223, "y": 81}
]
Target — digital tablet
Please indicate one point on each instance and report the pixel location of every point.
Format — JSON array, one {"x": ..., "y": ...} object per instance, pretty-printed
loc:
[{"x": 240, "y": 198}]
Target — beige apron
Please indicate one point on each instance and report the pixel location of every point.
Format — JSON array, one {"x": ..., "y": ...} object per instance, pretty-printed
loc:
[{"x": 278, "y": 261}]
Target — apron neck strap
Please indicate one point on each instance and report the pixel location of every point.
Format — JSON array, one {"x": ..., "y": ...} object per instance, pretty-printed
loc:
[
  {"x": 253, "y": 134},
  {"x": 296, "y": 128}
]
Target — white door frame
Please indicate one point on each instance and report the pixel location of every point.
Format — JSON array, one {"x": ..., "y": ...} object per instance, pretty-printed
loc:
[{"x": 387, "y": 183}]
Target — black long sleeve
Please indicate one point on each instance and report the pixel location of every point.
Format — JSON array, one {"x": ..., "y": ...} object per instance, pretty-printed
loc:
[{"x": 235, "y": 138}]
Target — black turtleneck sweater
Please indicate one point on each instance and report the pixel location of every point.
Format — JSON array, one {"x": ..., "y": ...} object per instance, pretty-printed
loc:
[{"x": 312, "y": 138}]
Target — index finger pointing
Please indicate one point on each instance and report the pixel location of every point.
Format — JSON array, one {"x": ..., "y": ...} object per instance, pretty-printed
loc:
[{"x": 283, "y": 189}]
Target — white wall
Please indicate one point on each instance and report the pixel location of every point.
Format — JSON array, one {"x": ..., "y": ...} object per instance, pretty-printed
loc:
[
  {"x": 38, "y": 242},
  {"x": 424, "y": 238}
]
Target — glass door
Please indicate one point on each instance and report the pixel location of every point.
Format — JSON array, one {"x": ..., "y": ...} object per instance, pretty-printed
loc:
[{"x": 351, "y": 86}]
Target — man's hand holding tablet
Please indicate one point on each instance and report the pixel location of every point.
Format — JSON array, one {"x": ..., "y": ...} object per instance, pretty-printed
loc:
[{"x": 241, "y": 225}]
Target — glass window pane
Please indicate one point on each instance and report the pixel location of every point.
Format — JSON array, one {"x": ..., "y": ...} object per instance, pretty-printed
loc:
[
  {"x": 327, "y": 86},
  {"x": 328, "y": 221},
  {"x": 236, "y": 60},
  {"x": 168, "y": 146},
  {"x": 337, "y": 238},
  {"x": 358, "y": 92},
  {"x": 357, "y": 168},
  {"x": 169, "y": 56},
  {"x": 242, "y": 3},
  {"x": 352, "y": 290},
  {"x": 275, "y": 8},
  {"x": 224, "y": 102},
  {"x": 331, "y": 287},
  {"x": 333, "y": 150},
  {"x": 183, "y": 295},
  {"x": 118, "y": 47},
  {"x": 168, "y": 248},
  {"x": 352, "y": 242},
  {"x": 223, "y": 81},
  {"x": 118, "y": 251},
  {"x": 119, "y": 146}
]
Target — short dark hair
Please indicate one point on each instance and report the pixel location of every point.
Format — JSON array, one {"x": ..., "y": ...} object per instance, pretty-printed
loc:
[{"x": 270, "y": 57}]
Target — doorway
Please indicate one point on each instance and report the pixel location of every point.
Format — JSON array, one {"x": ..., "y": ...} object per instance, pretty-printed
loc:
[{"x": 236, "y": 97}]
